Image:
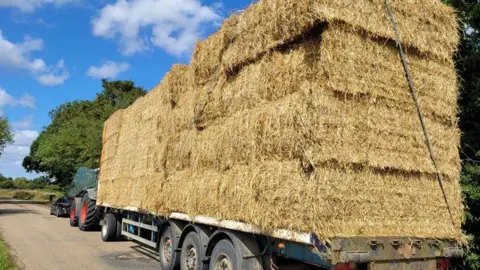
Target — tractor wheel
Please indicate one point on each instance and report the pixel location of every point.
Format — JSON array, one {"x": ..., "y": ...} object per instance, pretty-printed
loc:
[
  {"x": 89, "y": 219},
  {"x": 73, "y": 215}
]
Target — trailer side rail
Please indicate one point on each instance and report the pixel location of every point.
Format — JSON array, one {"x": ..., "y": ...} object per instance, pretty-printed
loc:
[{"x": 303, "y": 238}]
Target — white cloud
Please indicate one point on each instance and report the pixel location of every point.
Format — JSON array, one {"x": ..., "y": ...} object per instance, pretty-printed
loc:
[
  {"x": 6, "y": 99},
  {"x": 12, "y": 158},
  {"x": 52, "y": 79},
  {"x": 18, "y": 57},
  {"x": 176, "y": 25},
  {"x": 25, "y": 123},
  {"x": 108, "y": 69},
  {"x": 31, "y": 5}
]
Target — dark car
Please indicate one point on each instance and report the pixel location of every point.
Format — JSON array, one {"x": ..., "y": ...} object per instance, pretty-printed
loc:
[{"x": 61, "y": 207}]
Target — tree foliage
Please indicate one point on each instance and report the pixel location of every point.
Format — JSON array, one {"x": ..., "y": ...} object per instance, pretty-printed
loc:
[
  {"x": 74, "y": 137},
  {"x": 468, "y": 66},
  {"x": 6, "y": 135}
]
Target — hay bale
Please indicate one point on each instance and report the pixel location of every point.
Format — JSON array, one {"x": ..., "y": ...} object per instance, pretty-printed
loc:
[
  {"x": 176, "y": 82},
  {"x": 179, "y": 150},
  {"x": 113, "y": 124},
  {"x": 108, "y": 157},
  {"x": 207, "y": 55},
  {"x": 181, "y": 117},
  {"x": 342, "y": 60},
  {"x": 428, "y": 26},
  {"x": 335, "y": 201},
  {"x": 319, "y": 125},
  {"x": 309, "y": 126},
  {"x": 360, "y": 64}
]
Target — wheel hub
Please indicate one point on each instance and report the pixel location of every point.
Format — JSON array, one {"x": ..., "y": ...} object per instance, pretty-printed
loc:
[
  {"x": 83, "y": 214},
  {"x": 104, "y": 227},
  {"x": 223, "y": 263},
  {"x": 191, "y": 258},
  {"x": 167, "y": 250}
]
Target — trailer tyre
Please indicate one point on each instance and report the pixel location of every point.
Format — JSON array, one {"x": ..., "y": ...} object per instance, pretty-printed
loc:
[
  {"x": 191, "y": 255},
  {"x": 169, "y": 259},
  {"x": 89, "y": 219},
  {"x": 73, "y": 216},
  {"x": 109, "y": 228},
  {"x": 118, "y": 234},
  {"x": 224, "y": 256}
]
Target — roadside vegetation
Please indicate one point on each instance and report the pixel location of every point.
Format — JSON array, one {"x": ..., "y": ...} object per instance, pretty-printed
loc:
[
  {"x": 38, "y": 189},
  {"x": 6, "y": 260},
  {"x": 33, "y": 195},
  {"x": 40, "y": 183},
  {"x": 73, "y": 139}
]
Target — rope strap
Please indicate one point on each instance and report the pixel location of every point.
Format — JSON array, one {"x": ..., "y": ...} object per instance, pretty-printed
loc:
[{"x": 417, "y": 104}]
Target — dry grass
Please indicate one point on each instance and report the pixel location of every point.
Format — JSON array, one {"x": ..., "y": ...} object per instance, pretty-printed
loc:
[
  {"x": 34, "y": 195},
  {"x": 282, "y": 126}
]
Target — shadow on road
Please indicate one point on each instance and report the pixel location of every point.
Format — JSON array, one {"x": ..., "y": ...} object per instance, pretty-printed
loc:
[
  {"x": 6, "y": 212},
  {"x": 146, "y": 251}
]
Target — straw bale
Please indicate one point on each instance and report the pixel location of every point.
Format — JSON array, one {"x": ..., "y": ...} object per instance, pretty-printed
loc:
[
  {"x": 179, "y": 151},
  {"x": 426, "y": 25},
  {"x": 358, "y": 64},
  {"x": 113, "y": 124},
  {"x": 181, "y": 117},
  {"x": 297, "y": 115},
  {"x": 335, "y": 201},
  {"x": 346, "y": 62},
  {"x": 155, "y": 102},
  {"x": 111, "y": 135},
  {"x": 208, "y": 53},
  {"x": 176, "y": 82},
  {"x": 320, "y": 125}
]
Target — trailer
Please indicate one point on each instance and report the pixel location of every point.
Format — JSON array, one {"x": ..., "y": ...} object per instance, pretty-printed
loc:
[
  {"x": 296, "y": 135},
  {"x": 201, "y": 242}
]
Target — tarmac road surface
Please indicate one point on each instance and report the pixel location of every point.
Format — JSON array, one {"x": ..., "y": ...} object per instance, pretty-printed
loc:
[{"x": 41, "y": 241}]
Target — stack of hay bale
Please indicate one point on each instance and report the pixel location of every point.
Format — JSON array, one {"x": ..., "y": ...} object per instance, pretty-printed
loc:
[{"x": 297, "y": 115}]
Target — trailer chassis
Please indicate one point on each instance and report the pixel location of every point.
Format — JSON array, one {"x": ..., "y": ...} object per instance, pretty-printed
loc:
[{"x": 257, "y": 250}]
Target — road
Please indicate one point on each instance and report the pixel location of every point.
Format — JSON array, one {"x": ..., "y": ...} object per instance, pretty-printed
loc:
[{"x": 41, "y": 241}]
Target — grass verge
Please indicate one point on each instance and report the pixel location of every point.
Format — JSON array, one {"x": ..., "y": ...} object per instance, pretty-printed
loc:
[
  {"x": 34, "y": 195},
  {"x": 6, "y": 260}
]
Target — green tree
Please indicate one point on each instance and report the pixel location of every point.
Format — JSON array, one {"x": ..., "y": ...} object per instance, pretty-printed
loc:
[
  {"x": 6, "y": 135},
  {"x": 74, "y": 137},
  {"x": 8, "y": 184},
  {"x": 21, "y": 183},
  {"x": 468, "y": 66}
]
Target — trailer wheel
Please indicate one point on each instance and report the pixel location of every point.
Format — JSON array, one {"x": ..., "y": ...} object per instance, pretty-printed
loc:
[
  {"x": 89, "y": 219},
  {"x": 191, "y": 255},
  {"x": 109, "y": 228},
  {"x": 73, "y": 216},
  {"x": 223, "y": 256},
  {"x": 118, "y": 234},
  {"x": 169, "y": 259}
]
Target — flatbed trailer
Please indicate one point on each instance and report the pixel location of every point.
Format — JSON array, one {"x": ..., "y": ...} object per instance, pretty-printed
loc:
[{"x": 200, "y": 242}]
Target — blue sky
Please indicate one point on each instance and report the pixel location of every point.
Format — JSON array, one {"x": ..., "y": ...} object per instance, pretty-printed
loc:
[{"x": 54, "y": 51}]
